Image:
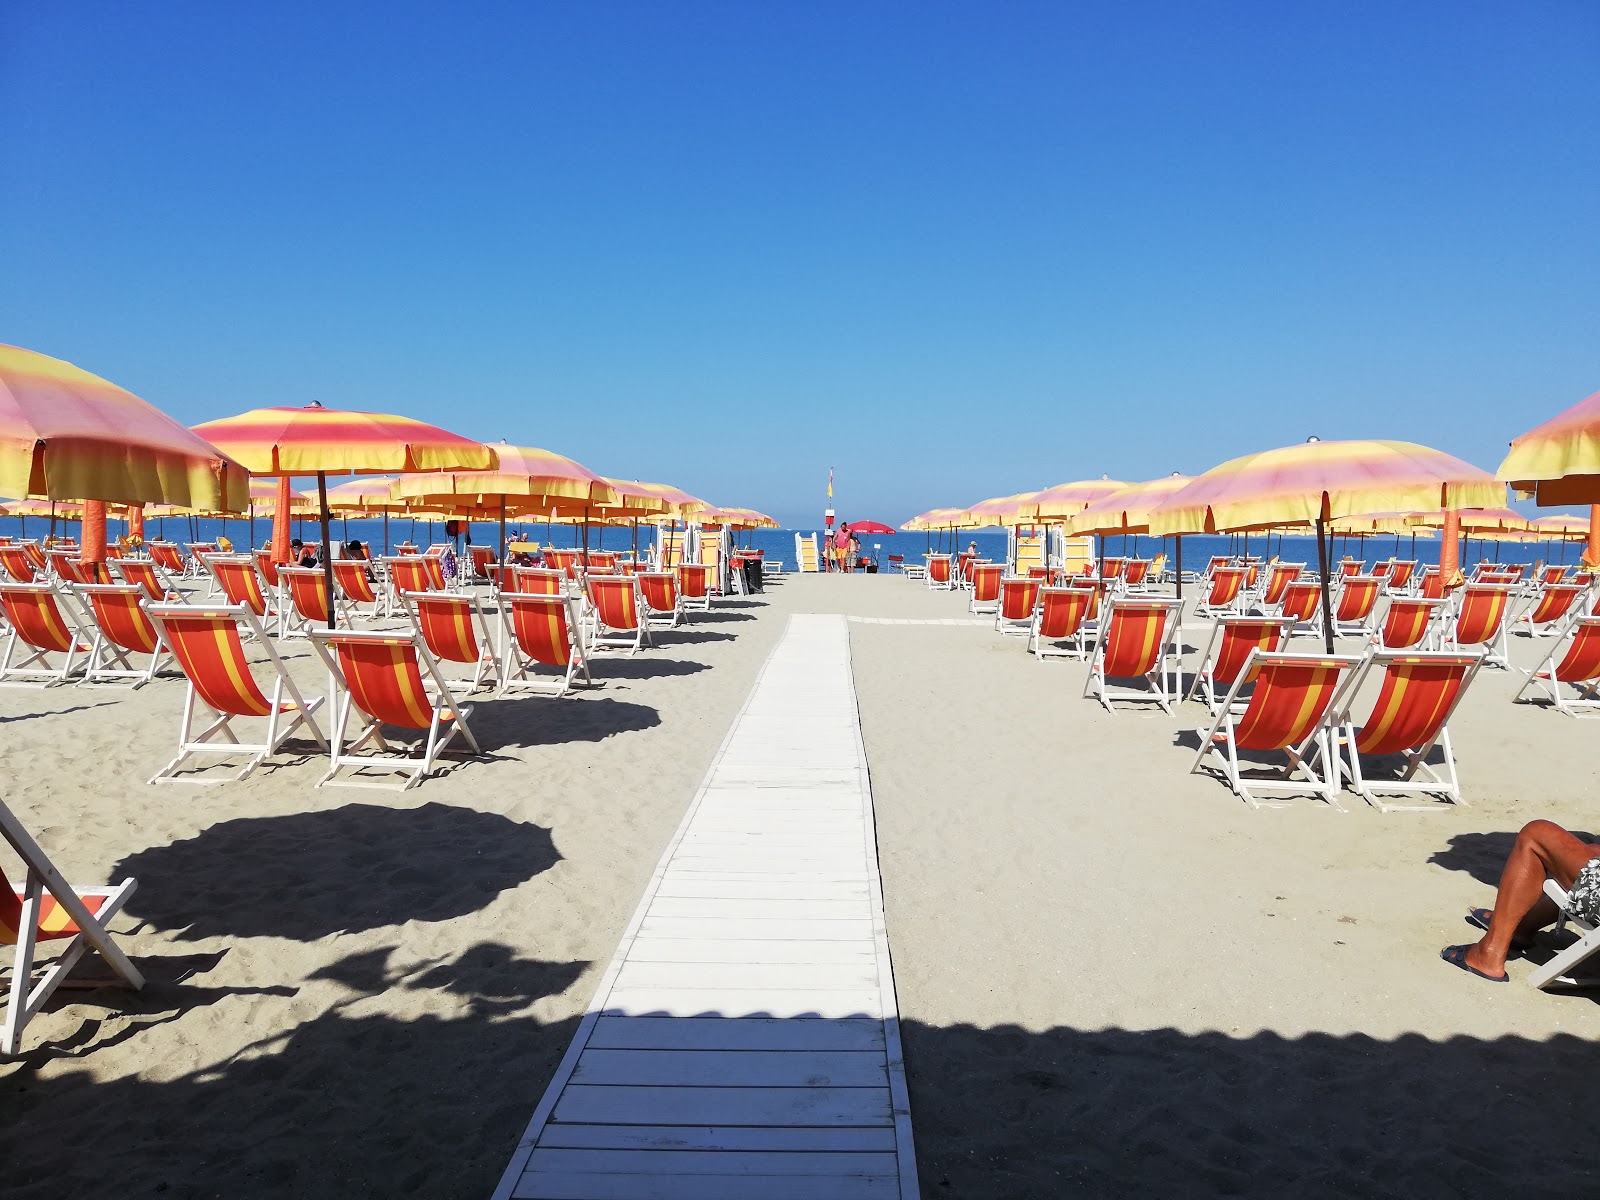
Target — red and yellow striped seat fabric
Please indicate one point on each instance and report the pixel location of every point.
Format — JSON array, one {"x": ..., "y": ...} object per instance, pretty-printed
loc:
[
  {"x": 412, "y": 575},
  {"x": 1400, "y": 574},
  {"x": 694, "y": 581},
  {"x": 1134, "y": 571},
  {"x": 1351, "y": 567},
  {"x": 122, "y": 622},
  {"x": 1278, "y": 582},
  {"x": 308, "y": 592},
  {"x": 986, "y": 582},
  {"x": 207, "y": 647},
  {"x": 1111, "y": 568},
  {"x": 1554, "y": 602},
  {"x": 939, "y": 568},
  {"x": 141, "y": 573},
  {"x": 1290, "y": 698},
  {"x": 1226, "y": 583},
  {"x": 35, "y": 555},
  {"x": 240, "y": 583},
  {"x": 615, "y": 601},
  {"x": 537, "y": 581},
  {"x": 448, "y": 627},
  {"x": 70, "y": 568},
  {"x": 165, "y": 555},
  {"x": 1416, "y": 696},
  {"x": 33, "y": 613},
  {"x": 1483, "y": 608},
  {"x": 483, "y": 558},
  {"x": 1432, "y": 584},
  {"x": 350, "y": 575},
  {"x": 1134, "y": 640},
  {"x": 1063, "y": 611},
  {"x": 1240, "y": 636},
  {"x": 53, "y": 921},
  {"x": 1552, "y": 575},
  {"x": 602, "y": 560},
  {"x": 268, "y": 568},
  {"x": 1017, "y": 598},
  {"x": 1356, "y": 598},
  {"x": 385, "y": 679},
  {"x": 539, "y": 624},
  {"x": 660, "y": 589},
  {"x": 18, "y": 563},
  {"x": 1251, "y": 574},
  {"x": 1581, "y": 662},
  {"x": 1406, "y": 623},
  {"x": 1300, "y": 600}
]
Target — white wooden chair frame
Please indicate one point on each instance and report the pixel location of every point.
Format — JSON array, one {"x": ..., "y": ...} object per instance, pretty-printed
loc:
[
  {"x": 1164, "y": 680},
  {"x": 950, "y": 584},
  {"x": 1557, "y": 972},
  {"x": 620, "y": 639},
  {"x": 1203, "y": 676},
  {"x": 1588, "y": 697},
  {"x": 517, "y": 677},
  {"x": 1558, "y": 626},
  {"x": 1438, "y": 614},
  {"x": 1015, "y": 625},
  {"x": 1036, "y": 644},
  {"x": 489, "y": 660},
  {"x": 109, "y": 660},
  {"x": 662, "y": 618},
  {"x": 24, "y": 674},
  {"x": 1501, "y": 636}
]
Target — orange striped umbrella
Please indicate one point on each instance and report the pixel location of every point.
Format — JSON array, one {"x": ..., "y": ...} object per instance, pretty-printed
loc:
[
  {"x": 1068, "y": 499},
  {"x": 1127, "y": 511}
]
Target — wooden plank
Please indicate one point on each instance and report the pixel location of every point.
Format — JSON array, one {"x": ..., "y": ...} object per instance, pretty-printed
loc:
[
  {"x": 731, "y": 1068},
  {"x": 800, "y": 1139},
  {"x": 815, "y": 1164},
  {"x": 752, "y": 909},
  {"x": 722, "y": 927},
  {"x": 753, "y": 1033},
  {"x": 743, "y": 976},
  {"x": 686, "y": 887},
  {"x": 738, "y": 950},
  {"x": 743, "y": 1002},
  {"x": 540, "y": 1185},
  {"x": 588, "y": 1104}
]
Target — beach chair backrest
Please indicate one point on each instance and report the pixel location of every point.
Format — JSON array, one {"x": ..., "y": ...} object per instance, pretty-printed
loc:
[
  {"x": 660, "y": 590},
  {"x": 1400, "y": 573},
  {"x": 308, "y": 592},
  {"x": 383, "y": 676},
  {"x": 1552, "y": 575},
  {"x": 537, "y": 581},
  {"x": 1097, "y": 595},
  {"x": 1135, "y": 636},
  {"x": 1111, "y": 568},
  {"x": 1226, "y": 583},
  {"x": 141, "y": 572},
  {"x": 1357, "y": 597},
  {"x": 1498, "y": 578},
  {"x": 1062, "y": 611},
  {"x": 1252, "y": 573},
  {"x": 121, "y": 620},
  {"x": 67, "y": 567},
  {"x": 1134, "y": 571},
  {"x": 541, "y": 627},
  {"x": 1406, "y": 623},
  {"x": 1218, "y": 561},
  {"x": 483, "y": 558},
  {"x": 411, "y": 574},
  {"x": 34, "y": 614},
  {"x": 350, "y": 576},
  {"x": 51, "y": 920},
  {"x": 694, "y": 581},
  {"x": 1554, "y": 602},
  {"x": 1432, "y": 584},
  {"x": 449, "y": 624},
  {"x": 1239, "y": 637},
  {"x": 1582, "y": 578},
  {"x": 1300, "y": 599},
  {"x": 166, "y": 556},
  {"x": 1483, "y": 610},
  {"x": 1017, "y": 598},
  {"x": 18, "y": 564},
  {"x": 1581, "y": 661},
  {"x": 206, "y": 643},
  {"x": 616, "y": 600},
  {"x": 239, "y": 581},
  {"x": 406, "y": 548},
  {"x": 1283, "y": 574},
  {"x": 1352, "y": 566},
  {"x": 268, "y": 568},
  {"x": 964, "y": 562},
  {"x": 1291, "y": 697},
  {"x": 939, "y": 568},
  {"x": 986, "y": 581},
  {"x": 1418, "y": 694}
]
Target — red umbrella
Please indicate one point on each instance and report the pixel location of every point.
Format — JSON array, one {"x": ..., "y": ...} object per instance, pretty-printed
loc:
[{"x": 868, "y": 527}]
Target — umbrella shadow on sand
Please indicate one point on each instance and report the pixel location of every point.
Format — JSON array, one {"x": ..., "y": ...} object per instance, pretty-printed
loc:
[
  {"x": 546, "y": 721},
  {"x": 360, "y": 867}
]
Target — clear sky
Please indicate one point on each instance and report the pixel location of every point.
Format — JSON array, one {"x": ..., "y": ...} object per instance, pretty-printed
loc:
[{"x": 951, "y": 251}]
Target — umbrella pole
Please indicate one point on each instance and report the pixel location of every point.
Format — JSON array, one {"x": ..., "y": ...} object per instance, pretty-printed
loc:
[
  {"x": 327, "y": 556},
  {"x": 1322, "y": 561},
  {"x": 502, "y": 543},
  {"x": 1177, "y": 546},
  {"x": 586, "y": 534},
  {"x": 386, "y": 533}
]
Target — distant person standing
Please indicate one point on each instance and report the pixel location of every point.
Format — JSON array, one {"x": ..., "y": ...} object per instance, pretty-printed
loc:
[{"x": 841, "y": 548}]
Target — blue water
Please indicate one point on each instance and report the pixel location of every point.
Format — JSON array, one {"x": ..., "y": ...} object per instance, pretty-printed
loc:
[{"x": 779, "y": 543}]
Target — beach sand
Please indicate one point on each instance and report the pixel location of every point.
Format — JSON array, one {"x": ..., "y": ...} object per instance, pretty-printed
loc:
[{"x": 1114, "y": 977}]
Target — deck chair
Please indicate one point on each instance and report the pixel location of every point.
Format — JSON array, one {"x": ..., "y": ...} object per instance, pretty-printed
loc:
[
  {"x": 1402, "y": 577},
  {"x": 1409, "y": 623},
  {"x": 616, "y": 612},
  {"x": 388, "y": 679},
  {"x": 412, "y": 573},
  {"x": 241, "y": 583},
  {"x": 1481, "y": 621},
  {"x": 985, "y": 597},
  {"x": 38, "y": 622},
  {"x": 1546, "y": 613},
  {"x": 538, "y": 581},
  {"x": 1354, "y": 605},
  {"x": 1578, "y": 667},
  {"x": 1222, "y": 596},
  {"x": 68, "y": 568},
  {"x": 1018, "y": 599},
  {"x": 149, "y": 578},
  {"x": 453, "y": 626},
  {"x": 46, "y": 908},
  {"x": 1286, "y": 713},
  {"x": 1060, "y": 618},
  {"x": 1136, "y": 575},
  {"x": 350, "y": 578},
  {"x": 662, "y": 607},
  {"x": 1558, "y": 971},
  {"x": 306, "y": 595},
  {"x": 1432, "y": 584},
  {"x": 121, "y": 629},
  {"x": 1135, "y": 641},
  {"x": 1410, "y": 717},
  {"x": 940, "y": 576},
  {"x": 1110, "y": 569},
  {"x": 1352, "y": 566},
  {"x": 694, "y": 587},
  {"x": 1278, "y": 581},
  {"x": 542, "y": 631},
  {"x": 1232, "y": 641},
  {"x": 18, "y": 564},
  {"x": 483, "y": 557},
  {"x": 207, "y": 642}
]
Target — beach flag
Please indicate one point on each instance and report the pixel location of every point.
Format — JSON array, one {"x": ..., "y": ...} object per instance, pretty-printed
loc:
[{"x": 830, "y": 483}]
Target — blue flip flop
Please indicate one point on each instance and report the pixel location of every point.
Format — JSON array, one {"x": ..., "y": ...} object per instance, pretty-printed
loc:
[{"x": 1456, "y": 956}]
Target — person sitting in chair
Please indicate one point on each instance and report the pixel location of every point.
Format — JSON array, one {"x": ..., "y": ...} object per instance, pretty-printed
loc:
[
  {"x": 303, "y": 555},
  {"x": 1543, "y": 850}
]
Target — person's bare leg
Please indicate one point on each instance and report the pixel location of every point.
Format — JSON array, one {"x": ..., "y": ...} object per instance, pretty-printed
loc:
[{"x": 1543, "y": 850}]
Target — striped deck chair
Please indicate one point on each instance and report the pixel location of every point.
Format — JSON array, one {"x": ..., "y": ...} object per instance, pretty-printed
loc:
[
  {"x": 46, "y": 908},
  {"x": 1203, "y": 578},
  {"x": 454, "y": 629},
  {"x": 601, "y": 560},
  {"x": 206, "y": 641},
  {"x": 306, "y": 601},
  {"x": 940, "y": 576},
  {"x": 1060, "y": 618},
  {"x": 169, "y": 558},
  {"x": 241, "y": 583},
  {"x": 413, "y": 573},
  {"x": 616, "y": 611},
  {"x": 1498, "y": 578},
  {"x": 1278, "y": 581},
  {"x": 1402, "y": 577},
  {"x": 1352, "y": 566},
  {"x": 1410, "y": 717},
  {"x": 1432, "y": 584},
  {"x": 542, "y": 631},
  {"x": 122, "y": 629},
  {"x": 1302, "y": 603},
  {"x": 1286, "y": 714},
  {"x": 18, "y": 564},
  {"x": 1233, "y": 640},
  {"x": 269, "y": 571},
  {"x": 1136, "y": 641},
  {"x": 985, "y": 596},
  {"x": 35, "y": 555},
  {"x": 1110, "y": 569},
  {"x": 694, "y": 587},
  {"x": 483, "y": 557},
  {"x": 1578, "y": 667},
  {"x": 198, "y": 567},
  {"x": 662, "y": 607},
  {"x": 1554, "y": 602},
  {"x": 1355, "y": 604},
  {"x": 1018, "y": 599},
  {"x": 407, "y": 548},
  {"x": 69, "y": 569},
  {"x": 964, "y": 564},
  {"x": 538, "y": 581},
  {"x": 1481, "y": 621},
  {"x": 149, "y": 578},
  {"x": 1409, "y": 623},
  {"x": 350, "y": 578},
  {"x": 39, "y": 623},
  {"x": 388, "y": 680},
  {"x": 1223, "y": 595},
  {"x": 1136, "y": 575}
]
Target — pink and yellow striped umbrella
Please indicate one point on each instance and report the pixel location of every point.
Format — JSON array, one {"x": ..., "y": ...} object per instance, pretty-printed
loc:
[
  {"x": 1320, "y": 481},
  {"x": 68, "y": 435},
  {"x": 672, "y": 501},
  {"x": 1476, "y": 520},
  {"x": 1069, "y": 499},
  {"x": 1558, "y": 462},
  {"x": 941, "y": 518},
  {"x": 1126, "y": 510},
  {"x": 522, "y": 471},
  {"x": 1017, "y": 509},
  {"x": 1563, "y": 526},
  {"x": 328, "y": 441}
]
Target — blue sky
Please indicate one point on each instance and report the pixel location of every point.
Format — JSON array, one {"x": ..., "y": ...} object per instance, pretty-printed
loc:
[{"x": 951, "y": 251}]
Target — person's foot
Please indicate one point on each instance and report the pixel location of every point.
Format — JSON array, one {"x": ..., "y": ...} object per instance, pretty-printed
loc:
[{"x": 1473, "y": 958}]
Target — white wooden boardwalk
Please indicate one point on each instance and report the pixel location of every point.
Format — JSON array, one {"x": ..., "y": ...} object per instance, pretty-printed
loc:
[{"x": 744, "y": 1041}]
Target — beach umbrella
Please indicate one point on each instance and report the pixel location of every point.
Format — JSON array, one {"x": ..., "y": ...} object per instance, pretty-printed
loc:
[
  {"x": 1317, "y": 482},
  {"x": 1068, "y": 499},
  {"x": 869, "y": 527},
  {"x": 1559, "y": 463},
  {"x": 1127, "y": 510},
  {"x": 326, "y": 441}
]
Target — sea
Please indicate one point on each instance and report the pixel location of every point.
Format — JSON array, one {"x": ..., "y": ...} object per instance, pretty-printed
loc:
[{"x": 779, "y": 543}]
